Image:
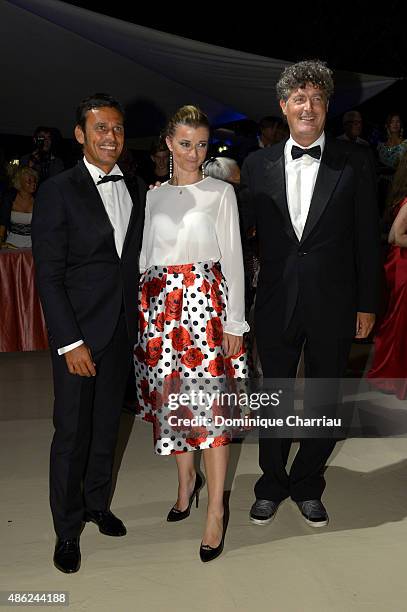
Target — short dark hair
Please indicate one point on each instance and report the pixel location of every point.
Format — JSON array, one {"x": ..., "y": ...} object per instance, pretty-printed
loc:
[{"x": 97, "y": 100}]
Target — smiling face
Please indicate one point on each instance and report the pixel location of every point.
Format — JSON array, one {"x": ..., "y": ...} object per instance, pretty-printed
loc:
[
  {"x": 188, "y": 146},
  {"x": 103, "y": 138},
  {"x": 305, "y": 111}
]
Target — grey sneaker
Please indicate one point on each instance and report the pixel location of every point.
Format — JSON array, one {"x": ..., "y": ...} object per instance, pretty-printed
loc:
[
  {"x": 263, "y": 511},
  {"x": 313, "y": 512}
]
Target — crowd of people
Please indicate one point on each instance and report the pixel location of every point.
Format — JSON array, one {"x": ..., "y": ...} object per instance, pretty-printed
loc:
[
  {"x": 290, "y": 223},
  {"x": 153, "y": 166}
]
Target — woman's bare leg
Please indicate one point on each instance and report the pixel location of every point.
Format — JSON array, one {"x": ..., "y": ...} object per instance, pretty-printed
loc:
[
  {"x": 216, "y": 463},
  {"x": 186, "y": 479}
]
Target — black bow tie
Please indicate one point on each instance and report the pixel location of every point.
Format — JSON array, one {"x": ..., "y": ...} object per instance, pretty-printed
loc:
[
  {"x": 297, "y": 152},
  {"x": 110, "y": 177}
]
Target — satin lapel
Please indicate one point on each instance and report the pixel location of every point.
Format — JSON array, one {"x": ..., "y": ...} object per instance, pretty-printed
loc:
[
  {"x": 135, "y": 211},
  {"x": 332, "y": 164},
  {"x": 276, "y": 186},
  {"x": 89, "y": 195}
]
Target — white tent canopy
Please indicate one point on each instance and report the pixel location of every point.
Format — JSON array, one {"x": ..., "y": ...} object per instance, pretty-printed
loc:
[{"x": 53, "y": 54}]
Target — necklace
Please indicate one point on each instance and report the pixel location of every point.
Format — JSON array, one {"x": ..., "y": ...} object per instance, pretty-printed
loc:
[{"x": 174, "y": 182}]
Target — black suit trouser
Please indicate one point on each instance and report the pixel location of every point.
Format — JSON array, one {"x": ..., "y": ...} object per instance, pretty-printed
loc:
[
  {"x": 324, "y": 357},
  {"x": 86, "y": 420}
]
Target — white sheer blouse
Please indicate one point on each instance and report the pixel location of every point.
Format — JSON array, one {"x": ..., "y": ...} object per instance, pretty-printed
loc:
[{"x": 198, "y": 223}]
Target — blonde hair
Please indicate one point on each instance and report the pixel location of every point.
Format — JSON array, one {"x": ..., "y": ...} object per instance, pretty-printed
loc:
[
  {"x": 187, "y": 115},
  {"x": 16, "y": 180}
]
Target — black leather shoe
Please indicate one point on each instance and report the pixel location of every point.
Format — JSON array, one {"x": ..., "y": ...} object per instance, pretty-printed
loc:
[
  {"x": 179, "y": 515},
  {"x": 107, "y": 522},
  {"x": 67, "y": 555},
  {"x": 209, "y": 553}
]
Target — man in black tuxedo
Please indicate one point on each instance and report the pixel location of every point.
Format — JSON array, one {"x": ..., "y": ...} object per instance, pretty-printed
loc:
[
  {"x": 313, "y": 200},
  {"x": 86, "y": 232}
]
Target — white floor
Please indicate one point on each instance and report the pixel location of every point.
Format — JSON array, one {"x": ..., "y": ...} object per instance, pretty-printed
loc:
[{"x": 357, "y": 563}]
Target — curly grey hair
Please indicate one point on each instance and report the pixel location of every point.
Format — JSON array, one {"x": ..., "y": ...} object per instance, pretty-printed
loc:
[
  {"x": 219, "y": 167},
  {"x": 298, "y": 75}
]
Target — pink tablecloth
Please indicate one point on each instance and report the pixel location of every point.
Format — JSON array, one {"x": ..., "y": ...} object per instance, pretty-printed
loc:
[{"x": 22, "y": 326}]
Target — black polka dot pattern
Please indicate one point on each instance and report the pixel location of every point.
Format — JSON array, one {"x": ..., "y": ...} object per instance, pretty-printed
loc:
[{"x": 185, "y": 358}]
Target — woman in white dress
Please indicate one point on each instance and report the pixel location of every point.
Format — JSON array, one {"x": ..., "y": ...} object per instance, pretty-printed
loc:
[
  {"x": 192, "y": 322},
  {"x": 16, "y": 209}
]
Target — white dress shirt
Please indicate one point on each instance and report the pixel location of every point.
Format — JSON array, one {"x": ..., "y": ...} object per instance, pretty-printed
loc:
[
  {"x": 300, "y": 175},
  {"x": 198, "y": 223},
  {"x": 117, "y": 202}
]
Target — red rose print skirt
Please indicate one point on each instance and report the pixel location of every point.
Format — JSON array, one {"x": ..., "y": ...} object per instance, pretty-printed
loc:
[{"x": 185, "y": 386}]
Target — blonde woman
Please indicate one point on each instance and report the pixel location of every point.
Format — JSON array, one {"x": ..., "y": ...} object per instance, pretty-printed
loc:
[
  {"x": 191, "y": 317},
  {"x": 16, "y": 209}
]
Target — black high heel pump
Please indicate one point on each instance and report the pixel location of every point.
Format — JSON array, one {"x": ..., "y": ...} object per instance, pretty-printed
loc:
[
  {"x": 179, "y": 515},
  {"x": 209, "y": 553}
]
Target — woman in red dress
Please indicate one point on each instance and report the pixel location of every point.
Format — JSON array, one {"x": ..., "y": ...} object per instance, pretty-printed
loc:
[{"x": 389, "y": 369}]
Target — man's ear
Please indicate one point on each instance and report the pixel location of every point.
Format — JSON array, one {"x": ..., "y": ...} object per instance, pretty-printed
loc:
[
  {"x": 79, "y": 135},
  {"x": 283, "y": 105}
]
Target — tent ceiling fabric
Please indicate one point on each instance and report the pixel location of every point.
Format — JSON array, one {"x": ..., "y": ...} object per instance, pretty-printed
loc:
[{"x": 53, "y": 54}]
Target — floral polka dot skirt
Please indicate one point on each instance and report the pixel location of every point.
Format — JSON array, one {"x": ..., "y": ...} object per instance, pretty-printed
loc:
[{"x": 181, "y": 373}]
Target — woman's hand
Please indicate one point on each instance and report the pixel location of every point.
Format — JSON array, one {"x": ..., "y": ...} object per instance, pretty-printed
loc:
[
  {"x": 231, "y": 344},
  {"x": 156, "y": 184}
]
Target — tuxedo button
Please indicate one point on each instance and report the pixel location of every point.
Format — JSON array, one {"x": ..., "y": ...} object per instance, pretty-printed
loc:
[{"x": 302, "y": 253}]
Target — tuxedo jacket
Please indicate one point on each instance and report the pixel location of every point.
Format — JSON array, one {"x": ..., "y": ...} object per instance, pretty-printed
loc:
[
  {"x": 333, "y": 271},
  {"x": 82, "y": 281}
]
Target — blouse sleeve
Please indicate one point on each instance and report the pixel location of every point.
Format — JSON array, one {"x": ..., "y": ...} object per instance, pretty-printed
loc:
[
  {"x": 143, "y": 253},
  {"x": 228, "y": 233}
]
